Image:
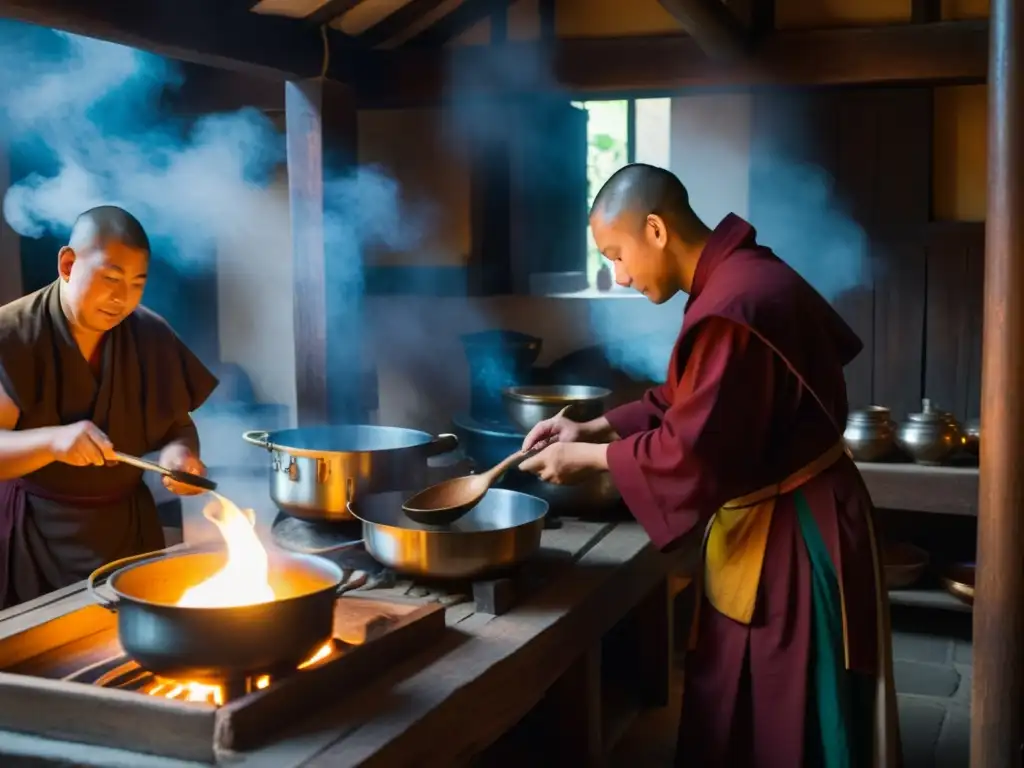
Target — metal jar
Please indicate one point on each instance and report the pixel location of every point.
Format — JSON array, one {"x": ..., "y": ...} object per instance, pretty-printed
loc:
[
  {"x": 500, "y": 532},
  {"x": 870, "y": 434},
  {"x": 315, "y": 472},
  {"x": 929, "y": 437}
]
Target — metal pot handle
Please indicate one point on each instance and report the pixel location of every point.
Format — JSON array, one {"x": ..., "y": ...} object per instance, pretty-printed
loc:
[
  {"x": 107, "y": 570},
  {"x": 258, "y": 438},
  {"x": 444, "y": 443}
]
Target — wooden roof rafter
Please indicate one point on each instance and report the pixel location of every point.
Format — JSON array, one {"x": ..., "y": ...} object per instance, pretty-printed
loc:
[
  {"x": 217, "y": 33},
  {"x": 713, "y": 27}
]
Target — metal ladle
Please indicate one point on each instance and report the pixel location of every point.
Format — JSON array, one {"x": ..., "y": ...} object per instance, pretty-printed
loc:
[{"x": 185, "y": 478}]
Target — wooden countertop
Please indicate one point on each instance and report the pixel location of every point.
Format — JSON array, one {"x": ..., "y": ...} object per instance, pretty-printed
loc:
[
  {"x": 489, "y": 670},
  {"x": 942, "y": 490}
]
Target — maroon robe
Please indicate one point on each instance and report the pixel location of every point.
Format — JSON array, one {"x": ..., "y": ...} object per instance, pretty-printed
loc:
[
  {"x": 755, "y": 391},
  {"x": 61, "y": 522}
]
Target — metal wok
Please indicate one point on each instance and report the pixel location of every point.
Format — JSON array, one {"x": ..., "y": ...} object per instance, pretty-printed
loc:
[
  {"x": 503, "y": 530},
  {"x": 218, "y": 644}
]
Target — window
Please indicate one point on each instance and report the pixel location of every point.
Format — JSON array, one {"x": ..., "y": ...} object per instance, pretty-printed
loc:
[{"x": 621, "y": 132}]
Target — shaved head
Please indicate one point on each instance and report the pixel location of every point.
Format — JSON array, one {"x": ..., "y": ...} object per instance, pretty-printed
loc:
[
  {"x": 643, "y": 224},
  {"x": 638, "y": 190},
  {"x": 99, "y": 226},
  {"x": 103, "y": 269}
]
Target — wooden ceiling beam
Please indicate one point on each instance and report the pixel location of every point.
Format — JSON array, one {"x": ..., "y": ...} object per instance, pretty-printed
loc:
[
  {"x": 207, "y": 32},
  {"x": 713, "y": 27},
  {"x": 453, "y": 24},
  {"x": 945, "y": 52},
  {"x": 331, "y": 10},
  {"x": 396, "y": 22}
]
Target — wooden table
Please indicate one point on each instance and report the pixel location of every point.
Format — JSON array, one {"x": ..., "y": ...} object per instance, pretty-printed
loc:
[{"x": 446, "y": 705}]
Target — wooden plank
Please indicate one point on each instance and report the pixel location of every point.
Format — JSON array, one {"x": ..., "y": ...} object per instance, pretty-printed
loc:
[
  {"x": 953, "y": 327},
  {"x": 944, "y": 52},
  {"x": 210, "y": 33},
  {"x": 712, "y": 26},
  {"x": 501, "y": 671},
  {"x": 253, "y": 720},
  {"x": 901, "y": 191},
  {"x": 944, "y": 490},
  {"x": 55, "y": 709},
  {"x": 396, "y": 22}
]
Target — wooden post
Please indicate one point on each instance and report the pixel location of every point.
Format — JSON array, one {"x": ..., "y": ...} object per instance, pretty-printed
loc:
[
  {"x": 996, "y": 732},
  {"x": 321, "y": 125},
  {"x": 11, "y": 286}
]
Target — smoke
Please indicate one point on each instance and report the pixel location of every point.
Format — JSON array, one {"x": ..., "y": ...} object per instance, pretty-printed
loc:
[{"x": 93, "y": 115}]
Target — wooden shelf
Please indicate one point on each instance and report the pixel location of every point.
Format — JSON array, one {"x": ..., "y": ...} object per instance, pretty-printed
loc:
[
  {"x": 933, "y": 598},
  {"x": 912, "y": 487}
]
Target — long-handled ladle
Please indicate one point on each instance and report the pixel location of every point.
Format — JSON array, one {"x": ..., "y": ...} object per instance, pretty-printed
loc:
[
  {"x": 186, "y": 478},
  {"x": 447, "y": 501}
]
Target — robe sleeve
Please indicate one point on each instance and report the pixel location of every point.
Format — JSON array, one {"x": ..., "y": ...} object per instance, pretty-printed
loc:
[
  {"x": 711, "y": 440},
  {"x": 643, "y": 414}
]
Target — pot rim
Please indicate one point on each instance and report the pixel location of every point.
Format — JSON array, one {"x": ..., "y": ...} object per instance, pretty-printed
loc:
[
  {"x": 267, "y": 440},
  {"x": 555, "y": 393},
  {"x": 448, "y": 531},
  {"x": 319, "y": 563}
]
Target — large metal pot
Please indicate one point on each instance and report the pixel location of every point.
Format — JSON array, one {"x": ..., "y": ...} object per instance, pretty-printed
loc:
[
  {"x": 315, "y": 472},
  {"x": 526, "y": 406},
  {"x": 216, "y": 645},
  {"x": 503, "y": 530}
]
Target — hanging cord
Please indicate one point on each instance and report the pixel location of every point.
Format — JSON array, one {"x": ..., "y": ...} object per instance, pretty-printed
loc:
[{"x": 327, "y": 51}]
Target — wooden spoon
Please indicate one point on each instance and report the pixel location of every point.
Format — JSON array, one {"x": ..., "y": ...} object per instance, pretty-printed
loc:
[{"x": 447, "y": 501}]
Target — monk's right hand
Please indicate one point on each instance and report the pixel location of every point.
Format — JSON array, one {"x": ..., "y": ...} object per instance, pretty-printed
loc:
[
  {"x": 81, "y": 444},
  {"x": 557, "y": 429}
]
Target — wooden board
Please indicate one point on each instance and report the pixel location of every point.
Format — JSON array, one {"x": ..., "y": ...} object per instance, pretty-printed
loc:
[
  {"x": 944, "y": 490},
  {"x": 376, "y": 635}
]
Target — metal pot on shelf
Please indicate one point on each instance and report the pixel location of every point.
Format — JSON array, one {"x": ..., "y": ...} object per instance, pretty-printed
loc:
[
  {"x": 972, "y": 437},
  {"x": 870, "y": 434},
  {"x": 929, "y": 437},
  {"x": 316, "y": 471},
  {"x": 526, "y": 406}
]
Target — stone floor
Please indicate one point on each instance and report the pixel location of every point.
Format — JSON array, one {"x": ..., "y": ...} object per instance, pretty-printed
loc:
[{"x": 932, "y": 665}]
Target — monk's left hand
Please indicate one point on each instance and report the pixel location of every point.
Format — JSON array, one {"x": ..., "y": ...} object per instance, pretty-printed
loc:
[
  {"x": 567, "y": 463},
  {"x": 180, "y": 457}
]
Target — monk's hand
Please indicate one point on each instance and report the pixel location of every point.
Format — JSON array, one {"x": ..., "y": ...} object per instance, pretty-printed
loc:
[
  {"x": 564, "y": 463},
  {"x": 556, "y": 429},
  {"x": 81, "y": 444},
  {"x": 180, "y": 458}
]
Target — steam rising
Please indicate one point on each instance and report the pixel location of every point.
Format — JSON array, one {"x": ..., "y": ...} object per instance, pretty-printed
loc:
[{"x": 98, "y": 110}]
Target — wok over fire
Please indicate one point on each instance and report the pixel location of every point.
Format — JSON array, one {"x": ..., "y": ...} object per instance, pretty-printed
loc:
[{"x": 243, "y": 579}]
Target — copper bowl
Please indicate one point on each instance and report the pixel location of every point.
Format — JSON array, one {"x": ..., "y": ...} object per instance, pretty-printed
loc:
[{"x": 904, "y": 564}]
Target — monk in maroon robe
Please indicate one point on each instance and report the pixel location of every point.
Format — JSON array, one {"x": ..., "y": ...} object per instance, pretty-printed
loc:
[
  {"x": 85, "y": 370},
  {"x": 790, "y": 660}
]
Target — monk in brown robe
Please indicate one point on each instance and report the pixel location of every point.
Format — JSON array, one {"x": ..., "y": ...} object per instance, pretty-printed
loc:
[
  {"x": 790, "y": 659},
  {"x": 85, "y": 370}
]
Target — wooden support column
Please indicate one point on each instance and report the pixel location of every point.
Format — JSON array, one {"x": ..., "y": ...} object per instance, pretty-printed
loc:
[
  {"x": 998, "y": 689},
  {"x": 10, "y": 243},
  {"x": 321, "y": 125}
]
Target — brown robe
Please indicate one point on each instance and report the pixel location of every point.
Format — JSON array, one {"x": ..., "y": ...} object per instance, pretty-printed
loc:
[
  {"x": 755, "y": 391},
  {"x": 61, "y": 522}
]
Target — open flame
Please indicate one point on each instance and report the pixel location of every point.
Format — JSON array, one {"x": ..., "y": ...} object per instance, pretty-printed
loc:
[
  {"x": 214, "y": 694},
  {"x": 243, "y": 579}
]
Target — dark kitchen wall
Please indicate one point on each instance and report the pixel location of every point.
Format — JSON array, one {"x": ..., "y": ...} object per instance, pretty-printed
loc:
[{"x": 918, "y": 309}]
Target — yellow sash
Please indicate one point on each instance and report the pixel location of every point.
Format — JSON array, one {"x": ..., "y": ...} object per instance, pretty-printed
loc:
[{"x": 736, "y": 538}]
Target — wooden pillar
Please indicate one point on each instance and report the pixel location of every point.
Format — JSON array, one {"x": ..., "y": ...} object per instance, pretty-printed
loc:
[
  {"x": 11, "y": 286},
  {"x": 321, "y": 125},
  {"x": 998, "y": 689}
]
